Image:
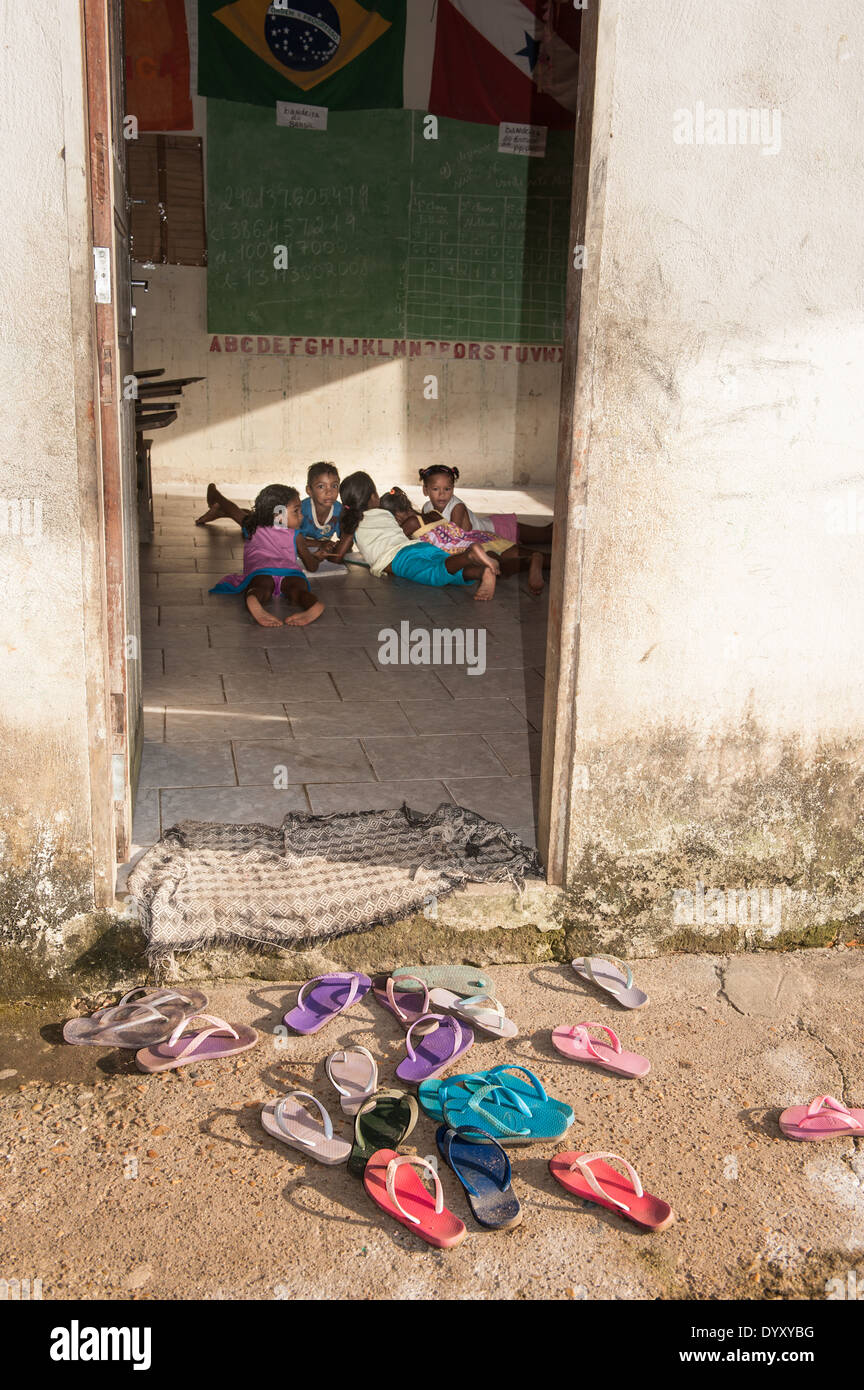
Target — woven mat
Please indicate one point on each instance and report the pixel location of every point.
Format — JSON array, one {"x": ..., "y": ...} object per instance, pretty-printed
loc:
[{"x": 313, "y": 877}]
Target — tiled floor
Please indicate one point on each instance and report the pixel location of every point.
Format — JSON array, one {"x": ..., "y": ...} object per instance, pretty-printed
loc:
[{"x": 246, "y": 723}]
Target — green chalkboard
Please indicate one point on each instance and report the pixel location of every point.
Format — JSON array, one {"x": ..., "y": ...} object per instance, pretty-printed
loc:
[{"x": 387, "y": 233}]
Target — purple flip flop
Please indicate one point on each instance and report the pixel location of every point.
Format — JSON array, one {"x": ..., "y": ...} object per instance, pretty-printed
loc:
[
  {"x": 199, "y": 1045},
  {"x": 436, "y": 1050},
  {"x": 406, "y": 1005},
  {"x": 325, "y": 996}
]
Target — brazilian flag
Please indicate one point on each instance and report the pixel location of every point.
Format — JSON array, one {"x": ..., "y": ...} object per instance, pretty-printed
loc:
[{"x": 343, "y": 54}]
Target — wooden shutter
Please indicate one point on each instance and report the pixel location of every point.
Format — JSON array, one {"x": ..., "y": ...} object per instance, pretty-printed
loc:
[{"x": 166, "y": 185}]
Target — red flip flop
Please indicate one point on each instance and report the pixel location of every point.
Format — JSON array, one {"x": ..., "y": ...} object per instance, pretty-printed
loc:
[
  {"x": 394, "y": 1186},
  {"x": 581, "y": 1174}
]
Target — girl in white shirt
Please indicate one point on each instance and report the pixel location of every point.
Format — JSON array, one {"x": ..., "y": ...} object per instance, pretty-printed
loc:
[
  {"x": 439, "y": 482},
  {"x": 384, "y": 546}
]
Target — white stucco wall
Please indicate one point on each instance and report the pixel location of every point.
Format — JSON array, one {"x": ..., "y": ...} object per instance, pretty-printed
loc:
[
  {"x": 719, "y": 611},
  {"x": 46, "y": 577}
]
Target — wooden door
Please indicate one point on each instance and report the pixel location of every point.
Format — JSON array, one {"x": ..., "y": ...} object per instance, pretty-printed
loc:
[{"x": 103, "y": 23}]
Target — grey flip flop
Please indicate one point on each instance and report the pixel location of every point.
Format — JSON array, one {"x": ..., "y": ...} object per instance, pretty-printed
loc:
[
  {"x": 461, "y": 979},
  {"x": 353, "y": 1072},
  {"x": 126, "y": 1025},
  {"x": 192, "y": 1000},
  {"x": 290, "y": 1121},
  {"x": 613, "y": 976}
]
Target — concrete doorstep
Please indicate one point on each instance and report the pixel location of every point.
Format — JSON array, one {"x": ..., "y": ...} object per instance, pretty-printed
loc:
[{"x": 124, "y": 1186}]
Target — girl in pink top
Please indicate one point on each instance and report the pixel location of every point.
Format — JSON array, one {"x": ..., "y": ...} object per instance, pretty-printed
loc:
[{"x": 274, "y": 558}]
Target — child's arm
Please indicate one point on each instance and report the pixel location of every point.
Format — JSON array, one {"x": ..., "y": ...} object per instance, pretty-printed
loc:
[
  {"x": 411, "y": 524},
  {"x": 342, "y": 546},
  {"x": 460, "y": 515},
  {"x": 308, "y": 558}
]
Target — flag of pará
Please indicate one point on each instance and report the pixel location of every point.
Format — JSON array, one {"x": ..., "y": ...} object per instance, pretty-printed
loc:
[
  {"x": 506, "y": 60},
  {"x": 343, "y": 54}
]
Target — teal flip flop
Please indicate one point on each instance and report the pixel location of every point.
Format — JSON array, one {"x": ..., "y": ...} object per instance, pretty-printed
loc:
[
  {"x": 464, "y": 980},
  {"x": 510, "y": 1116},
  {"x": 483, "y": 1168},
  {"x": 429, "y": 1093}
]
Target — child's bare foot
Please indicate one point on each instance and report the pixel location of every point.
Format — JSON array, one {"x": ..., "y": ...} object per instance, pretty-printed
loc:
[
  {"x": 260, "y": 614},
  {"x": 486, "y": 587},
  {"x": 535, "y": 573},
  {"x": 307, "y": 616},
  {"x": 214, "y": 510},
  {"x": 483, "y": 558}
]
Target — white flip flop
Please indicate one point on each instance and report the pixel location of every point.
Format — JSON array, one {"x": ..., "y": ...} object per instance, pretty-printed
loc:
[
  {"x": 288, "y": 1121},
  {"x": 613, "y": 976},
  {"x": 480, "y": 1010},
  {"x": 353, "y": 1072}
]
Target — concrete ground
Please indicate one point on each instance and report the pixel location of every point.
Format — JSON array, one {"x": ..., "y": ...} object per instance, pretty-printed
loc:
[
  {"x": 228, "y": 703},
  {"x": 125, "y": 1186}
]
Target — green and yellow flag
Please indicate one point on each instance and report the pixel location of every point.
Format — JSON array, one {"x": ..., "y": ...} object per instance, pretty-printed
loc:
[{"x": 344, "y": 54}]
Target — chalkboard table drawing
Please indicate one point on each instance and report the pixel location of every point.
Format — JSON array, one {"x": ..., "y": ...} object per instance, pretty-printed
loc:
[{"x": 386, "y": 234}]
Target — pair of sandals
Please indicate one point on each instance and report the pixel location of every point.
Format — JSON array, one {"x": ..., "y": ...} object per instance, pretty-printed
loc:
[
  {"x": 383, "y": 1118},
  {"x": 156, "y": 1023},
  {"x": 506, "y": 1103},
  {"x": 413, "y": 994},
  {"x": 613, "y": 976},
  {"x": 577, "y": 1045},
  {"x": 823, "y": 1118}
]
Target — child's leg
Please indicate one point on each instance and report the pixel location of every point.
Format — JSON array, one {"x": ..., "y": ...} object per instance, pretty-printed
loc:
[
  {"x": 220, "y": 506},
  {"x": 489, "y": 562},
  {"x": 294, "y": 590},
  {"x": 515, "y": 560},
  {"x": 471, "y": 570},
  {"x": 534, "y": 535},
  {"x": 259, "y": 592}
]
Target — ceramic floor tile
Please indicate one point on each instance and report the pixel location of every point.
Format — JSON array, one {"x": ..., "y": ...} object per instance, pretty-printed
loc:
[
  {"x": 145, "y": 820},
  {"x": 232, "y": 805},
  {"x": 520, "y": 752},
  {"x": 220, "y": 723},
  {"x": 348, "y": 661},
  {"x": 392, "y": 683},
  {"x": 438, "y": 756},
  {"x": 420, "y": 795},
  {"x": 313, "y": 722},
  {"x": 281, "y": 689},
  {"x": 480, "y": 716},
  {"x": 493, "y": 684},
  {"x": 331, "y": 760},
  {"x": 186, "y": 690},
  {"x": 187, "y": 765},
  {"x": 509, "y": 800},
  {"x": 242, "y": 661}
]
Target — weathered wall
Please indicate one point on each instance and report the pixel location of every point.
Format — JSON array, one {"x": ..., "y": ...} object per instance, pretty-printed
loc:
[
  {"x": 720, "y": 714},
  {"x": 261, "y": 419},
  {"x": 50, "y": 575}
]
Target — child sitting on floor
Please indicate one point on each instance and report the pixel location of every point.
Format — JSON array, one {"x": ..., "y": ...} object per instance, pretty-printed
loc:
[
  {"x": 273, "y": 559},
  {"x": 439, "y": 482},
  {"x": 321, "y": 507},
  {"x": 383, "y": 545},
  {"x": 450, "y": 537}
]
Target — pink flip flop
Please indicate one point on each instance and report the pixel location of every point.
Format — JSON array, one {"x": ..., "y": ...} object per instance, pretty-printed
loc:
[
  {"x": 324, "y": 997},
  {"x": 394, "y": 1186},
  {"x": 406, "y": 1005},
  {"x": 577, "y": 1044},
  {"x": 202, "y": 1045},
  {"x": 436, "y": 1050},
  {"x": 825, "y": 1118},
  {"x": 581, "y": 1174}
]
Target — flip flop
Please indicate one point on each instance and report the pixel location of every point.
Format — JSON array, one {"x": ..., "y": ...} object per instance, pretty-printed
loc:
[
  {"x": 192, "y": 1000},
  {"x": 825, "y": 1118},
  {"x": 581, "y": 1174},
  {"x": 126, "y": 1025},
  {"x": 394, "y": 1186},
  {"x": 383, "y": 1122},
  {"x": 483, "y": 1168},
  {"x": 507, "y": 1115},
  {"x": 481, "y": 1010},
  {"x": 353, "y": 1072},
  {"x": 288, "y": 1121},
  {"x": 462, "y": 979},
  {"x": 406, "y": 1005},
  {"x": 435, "y": 1050},
  {"x": 577, "y": 1044},
  {"x": 324, "y": 997},
  {"x": 612, "y": 975},
  {"x": 519, "y": 1079},
  {"x": 201, "y": 1045}
]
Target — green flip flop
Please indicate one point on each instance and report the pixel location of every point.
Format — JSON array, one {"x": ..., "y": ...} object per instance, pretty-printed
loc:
[
  {"x": 464, "y": 980},
  {"x": 382, "y": 1123}
]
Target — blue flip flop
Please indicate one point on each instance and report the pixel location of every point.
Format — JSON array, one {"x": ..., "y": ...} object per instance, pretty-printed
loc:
[
  {"x": 429, "y": 1093},
  {"x": 483, "y": 1168},
  {"x": 508, "y": 1115}
]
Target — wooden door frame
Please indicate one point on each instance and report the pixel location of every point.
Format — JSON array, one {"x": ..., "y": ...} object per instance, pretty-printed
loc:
[
  {"x": 100, "y": 114},
  {"x": 559, "y": 789}
]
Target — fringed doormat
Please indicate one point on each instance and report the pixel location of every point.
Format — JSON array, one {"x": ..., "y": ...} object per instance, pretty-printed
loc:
[{"x": 313, "y": 877}]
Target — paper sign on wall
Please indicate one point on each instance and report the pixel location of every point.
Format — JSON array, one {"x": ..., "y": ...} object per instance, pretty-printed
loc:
[
  {"x": 301, "y": 117},
  {"x": 522, "y": 139}
]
